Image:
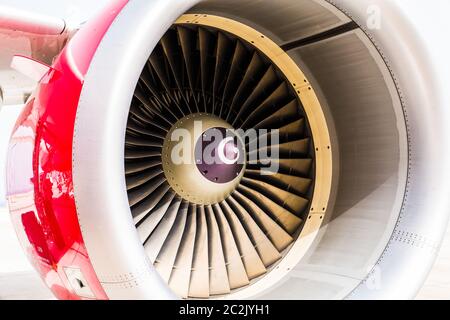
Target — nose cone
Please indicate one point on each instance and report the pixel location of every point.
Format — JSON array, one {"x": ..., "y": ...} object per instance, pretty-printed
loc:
[
  {"x": 219, "y": 155},
  {"x": 203, "y": 160}
]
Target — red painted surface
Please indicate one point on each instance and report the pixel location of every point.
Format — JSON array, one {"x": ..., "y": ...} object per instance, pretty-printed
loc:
[{"x": 39, "y": 170}]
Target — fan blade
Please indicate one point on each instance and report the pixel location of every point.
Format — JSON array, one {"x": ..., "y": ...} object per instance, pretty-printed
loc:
[
  {"x": 133, "y": 154},
  {"x": 143, "y": 142},
  {"x": 241, "y": 59},
  {"x": 136, "y": 112},
  {"x": 206, "y": 44},
  {"x": 267, "y": 82},
  {"x": 223, "y": 58},
  {"x": 297, "y": 167},
  {"x": 140, "y": 178},
  {"x": 167, "y": 239},
  {"x": 150, "y": 81},
  {"x": 295, "y": 149},
  {"x": 171, "y": 50},
  {"x": 253, "y": 264},
  {"x": 289, "y": 183},
  {"x": 277, "y": 235},
  {"x": 290, "y": 132},
  {"x": 148, "y": 105},
  {"x": 254, "y": 71},
  {"x": 286, "y": 219},
  {"x": 140, "y": 210},
  {"x": 187, "y": 41},
  {"x": 199, "y": 285},
  {"x": 287, "y": 200},
  {"x": 138, "y": 128},
  {"x": 266, "y": 250},
  {"x": 181, "y": 274},
  {"x": 280, "y": 117},
  {"x": 155, "y": 230},
  {"x": 218, "y": 277},
  {"x": 138, "y": 194},
  {"x": 135, "y": 166},
  {"x": 237, "y": 274},
  {"x": 273, "y": 102}
]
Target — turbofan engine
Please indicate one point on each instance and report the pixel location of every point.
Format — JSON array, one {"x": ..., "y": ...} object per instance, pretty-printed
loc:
[{"x": 332, "y": 174}]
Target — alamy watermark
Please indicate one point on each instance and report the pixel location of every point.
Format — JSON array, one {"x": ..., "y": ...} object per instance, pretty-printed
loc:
[
  {"x": 227, "y": 146},
  {"x": 374, "y": 17}
]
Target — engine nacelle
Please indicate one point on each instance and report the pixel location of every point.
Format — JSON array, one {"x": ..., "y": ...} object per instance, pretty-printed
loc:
[{"x": 352, "y": 102}]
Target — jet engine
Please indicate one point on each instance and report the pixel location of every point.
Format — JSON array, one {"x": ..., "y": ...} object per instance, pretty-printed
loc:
[{"x": 344, "y": 99}]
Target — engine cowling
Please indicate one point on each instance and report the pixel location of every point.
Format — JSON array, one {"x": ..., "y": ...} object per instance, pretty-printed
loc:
[{"x": 359, "y": 193}]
